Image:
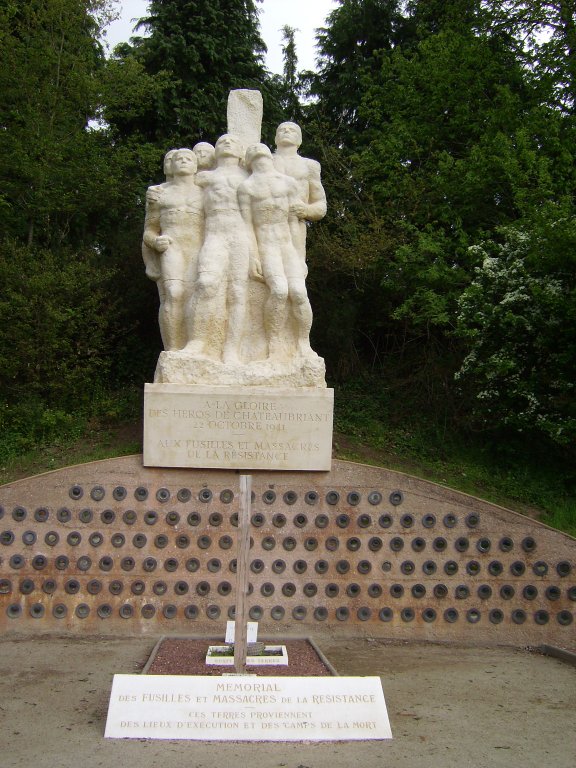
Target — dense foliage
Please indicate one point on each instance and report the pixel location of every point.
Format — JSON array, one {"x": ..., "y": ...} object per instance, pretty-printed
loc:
[
  {"x": 49, "y": 165},
  {"x": 446, "y": 130},
  {"x": 194, "y": 53},
  {"x": 518, "y": 318}
]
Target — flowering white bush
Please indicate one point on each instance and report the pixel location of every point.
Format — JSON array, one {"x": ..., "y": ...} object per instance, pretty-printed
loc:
[{"x": 519, "y": 323}]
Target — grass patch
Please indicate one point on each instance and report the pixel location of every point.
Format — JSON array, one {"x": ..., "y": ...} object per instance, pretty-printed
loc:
[
  {"x": 520, "y": 474},
  {"x": 36, "y": 438}
]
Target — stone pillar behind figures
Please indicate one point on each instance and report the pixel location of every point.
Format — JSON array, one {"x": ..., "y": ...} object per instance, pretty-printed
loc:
[{"x": 240, "y": 386}]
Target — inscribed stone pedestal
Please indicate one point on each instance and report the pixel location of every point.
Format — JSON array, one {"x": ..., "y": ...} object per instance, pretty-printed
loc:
[{"x": 238, "y": 428}]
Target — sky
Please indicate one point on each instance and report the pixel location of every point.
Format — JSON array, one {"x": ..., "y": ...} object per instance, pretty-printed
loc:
[{"x": 304, "y": 15}]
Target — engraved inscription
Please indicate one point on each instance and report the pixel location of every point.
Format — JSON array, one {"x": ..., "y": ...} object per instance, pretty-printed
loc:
[
  {"x": 271, "y": 430},
  {"x": 275, "y": 709}
]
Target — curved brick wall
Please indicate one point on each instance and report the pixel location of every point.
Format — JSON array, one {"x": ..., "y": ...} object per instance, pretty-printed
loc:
[{"x": 112, "y": 546}]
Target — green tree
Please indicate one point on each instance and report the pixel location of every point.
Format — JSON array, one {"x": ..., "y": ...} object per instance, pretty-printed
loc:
[
  {"x": 344, "y": 248},
  {"x": 55, "y": 312},
  {"x": 546, "y": 32},
  {"x": 48, "y": 94},
  {"x": 195, "y": 52},
  {"x": 290, "y": 83},
  {"x": 438, "y": 138},
  {"x": 71, "y": 212},
  {"x": 445, "y": 153},
  {"x": 428, "y": 17},
  {"x": 518, "y": 316},
  {"x": 348, "y": 46}
]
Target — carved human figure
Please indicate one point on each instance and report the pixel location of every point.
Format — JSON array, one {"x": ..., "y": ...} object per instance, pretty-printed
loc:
[
  {"x": 306, "y": 173},
  {"x": 205, "y": 154},
  {"x": 224, "y": 256},
  {"x": 173, "y": 234},
  {"x": 149, "y": 255},
  {"x": 268, "y": 200}
]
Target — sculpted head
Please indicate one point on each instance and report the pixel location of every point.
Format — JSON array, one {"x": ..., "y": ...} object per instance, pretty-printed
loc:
[
  {"x": 229, "y": 145},
  {"x": 255, "y": 151},
  {"x": 184, "y": 162},
  {"x": 205, "y": 154},
  {"x": 168, "y": 163},
  {"x": 288, "y": 134}
]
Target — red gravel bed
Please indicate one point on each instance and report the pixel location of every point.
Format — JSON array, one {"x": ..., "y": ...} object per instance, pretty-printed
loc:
[{"x": 187, "y": 657}]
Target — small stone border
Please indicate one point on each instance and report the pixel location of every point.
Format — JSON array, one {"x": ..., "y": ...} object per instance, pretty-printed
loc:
[{"x": 297, "y": 666}]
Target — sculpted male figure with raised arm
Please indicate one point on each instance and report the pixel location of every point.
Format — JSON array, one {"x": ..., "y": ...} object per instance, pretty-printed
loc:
[
  {"x": 224, "y": 256},
  {"x": 268, "y": 199},
  {"x": 173, "y": 234},
  {"x": 306, "y": 173}
]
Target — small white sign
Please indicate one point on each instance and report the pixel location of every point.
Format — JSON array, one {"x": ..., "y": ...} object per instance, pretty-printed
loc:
[
  {"x": 247, "y": 708},
  {"x": 251, "y": 632},
  {"x": 278, "y": 657}
]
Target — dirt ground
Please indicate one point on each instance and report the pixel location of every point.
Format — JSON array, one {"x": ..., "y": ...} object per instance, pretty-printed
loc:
[{"x": 449, "y": 707}]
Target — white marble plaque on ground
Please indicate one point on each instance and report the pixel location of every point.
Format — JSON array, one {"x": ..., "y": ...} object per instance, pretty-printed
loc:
[
  {"x": 251, "y": 631},
  {"x": 237, "y": 428},
  {"x": 247, "y": 709}
]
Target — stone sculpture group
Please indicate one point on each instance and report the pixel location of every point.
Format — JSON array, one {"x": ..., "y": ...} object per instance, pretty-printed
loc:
[{"x": 225, "y": 241}]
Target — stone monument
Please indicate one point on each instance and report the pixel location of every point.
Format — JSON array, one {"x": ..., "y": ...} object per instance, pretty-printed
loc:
[{"x": 238, "y": 384}]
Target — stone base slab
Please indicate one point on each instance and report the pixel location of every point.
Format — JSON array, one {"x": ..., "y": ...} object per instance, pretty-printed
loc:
[
  {"x": 246, "y": 428},
  {"x": 210, "y": 708},
  {"x": 185, "y": 368}
]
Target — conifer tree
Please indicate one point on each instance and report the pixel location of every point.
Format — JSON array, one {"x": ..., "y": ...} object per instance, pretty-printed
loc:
[
  {"x": 48, "y": 94},
  {"x": 195, "y": 51},
  {"x": 546, "y": 32},
  {"x": 290, "y": 82}
]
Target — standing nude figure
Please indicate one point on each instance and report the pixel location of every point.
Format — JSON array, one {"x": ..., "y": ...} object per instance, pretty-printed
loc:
[
  {"x": 268, "y": 199},
  {"x": 224, "y": 257},
  {"x": 149, "y": 255},
  {"x": 173, "y": 234},
  {"x": 306, "y": 173}
]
